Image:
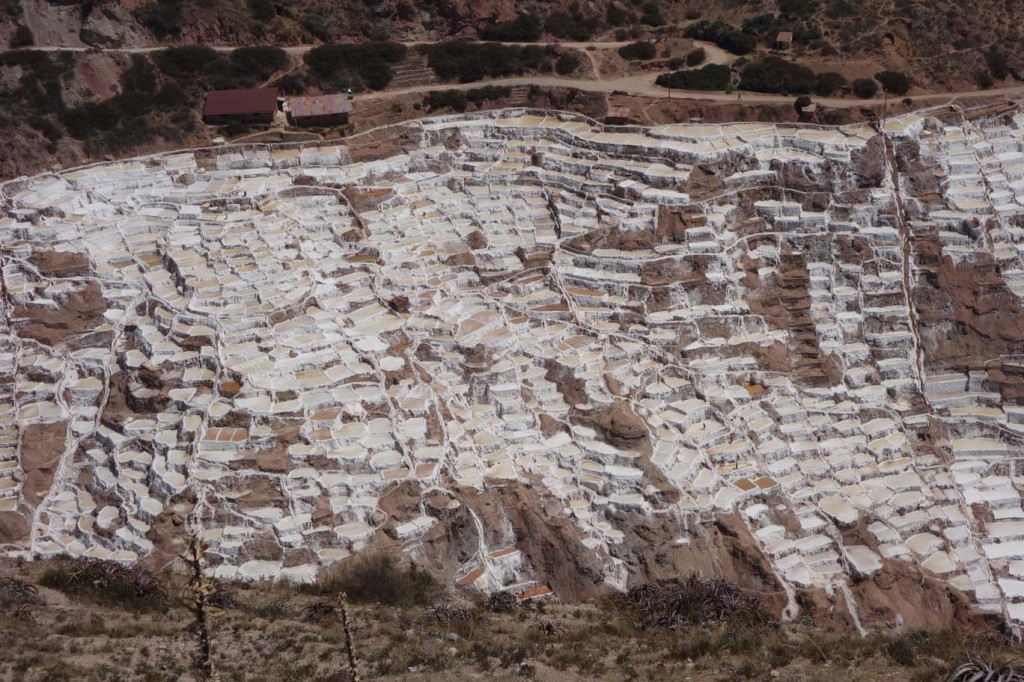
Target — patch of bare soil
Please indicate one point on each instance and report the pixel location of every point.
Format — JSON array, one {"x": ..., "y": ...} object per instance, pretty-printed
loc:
[
  {"x": 79, "y": 311},
  {"x": 41, "y": 447},
  {"x": 900, "y": 595},
  {"x": 60, "y": 264},
  {"x": 550, "y": 542},
  {"x": 966, "y": 313}
]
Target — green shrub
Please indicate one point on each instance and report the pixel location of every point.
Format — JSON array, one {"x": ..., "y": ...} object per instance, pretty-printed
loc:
[
  {"x": 997, "y": 64},
  {"x": 828, "y": 83},
  {"x": 983, "y": 79},
  {"x": 617, "y": 15},
  {"x": 571, "y": 25},
  {"x": 260, "y": 62},
  {"x": 523, "y": 29},
  {"x": 469, "y": 61},
  {"x": 710, "y": 77},
  {"x": 233, "y": 129},
  {"x": 22, "y": 37},
  {"x": 187, "y": 61},
  {"x": 371, "y": 62},
  {"x": 638, "y": 50},
  {"x": 316, "y": 26},
  {"x": 291, "y": 84},
  {"x": 171, "y": 96},
  {"x": 378, "y": 578},
  {"x": 567, "y": 63},
  {"x": 865, "y": 88},
  {"x": 802, "y": 9},
  {"x": 774, "y": 74},
  {"x": 893, "y": 82},
  {"x": 487, "y": 93},
  {"x": 652, "y": 15},
  {"x": 723, "y": 35},
  {"x": 263, "y": 11},
  {"x": 696, "y": 57},
  {"x": 162, "y": 17},
  {"x": 440, "y": 99}
]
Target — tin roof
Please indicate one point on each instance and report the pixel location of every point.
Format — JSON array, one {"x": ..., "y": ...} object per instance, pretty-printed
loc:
[
  {"x": 324, "y": 105},
  {"x": 244, "y": 101}
]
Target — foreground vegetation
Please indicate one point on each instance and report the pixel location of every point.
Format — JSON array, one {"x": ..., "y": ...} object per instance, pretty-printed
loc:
[{"x": 92, "y": 620}]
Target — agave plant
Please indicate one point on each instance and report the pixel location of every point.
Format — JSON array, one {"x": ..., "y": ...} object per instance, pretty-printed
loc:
[
  {"x": 694, "y": 602},
  {"x": 321, "y": 612},
  {"x": 18, "y": 597},
  {"x": 977, "y": 670},
  {"x": 445, "y": 614}
]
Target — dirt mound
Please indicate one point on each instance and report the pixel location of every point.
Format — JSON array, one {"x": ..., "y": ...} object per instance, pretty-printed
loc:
[{"x": 620, "y": 424}]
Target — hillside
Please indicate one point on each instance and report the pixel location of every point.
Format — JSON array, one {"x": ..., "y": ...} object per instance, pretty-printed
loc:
[
  {"x": 934, "y": 47},
  {"x": 267, "y": 633}
]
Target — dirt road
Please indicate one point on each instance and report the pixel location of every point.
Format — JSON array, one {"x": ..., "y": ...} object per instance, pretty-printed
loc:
[{"x": 634, "y": 84}]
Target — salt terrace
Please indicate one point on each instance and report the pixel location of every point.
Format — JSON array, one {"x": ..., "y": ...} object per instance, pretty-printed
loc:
[{"x": 278, "y": 335}]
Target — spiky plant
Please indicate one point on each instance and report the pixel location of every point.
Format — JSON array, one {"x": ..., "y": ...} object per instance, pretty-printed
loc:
[
  {"x": 197, "y": 597},
  {"x": 977, "y": 670},
  {"x": 350, "y": 650}
]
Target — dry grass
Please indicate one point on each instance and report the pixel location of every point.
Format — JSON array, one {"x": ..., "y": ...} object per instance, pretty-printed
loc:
[{"x": 266, "y": 632}]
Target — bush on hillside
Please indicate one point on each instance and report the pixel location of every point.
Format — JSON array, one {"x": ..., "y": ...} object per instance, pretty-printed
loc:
[
  {"x": 828, "y": 83},
  {"x": 800, "y": 9},
  {"x": 710, "y": 77},
  {"x": 22, "y": 37},
  {"x": 997, "y": 64},
  {"x": 488, "y": 93},
  {"x": 723, "y": 35},
  {"x": 467, "y": 62},
  {"x": 567, "y": 64},
  {"x": 865, "y": 88},
  {"x": 366, "y": 64},
  {"x": 571, "y": 25},
  {"x": 893, "y": 82},
  {"x": 774, "y": 74},
  {"x": 440, "y": 99},
  {"x": 617, "y": 15},
  {"x": 638, "y": 50},
  {"x": 696, "y": 57},
  {"x": 378, "y": 578},
  {"x": 652, "y": 15},
  {"x": 523, "y": 29},
  {"x": 263, "y": 11},
  {"x": 261, "y": 62},
  {"x": 163, "y": 17},
  {"x": 107, "y": 582},
  {"x": 186, "y": 61}
]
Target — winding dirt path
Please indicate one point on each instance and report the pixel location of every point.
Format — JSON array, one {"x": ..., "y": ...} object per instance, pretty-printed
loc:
[{"x": 641, "y": 84}]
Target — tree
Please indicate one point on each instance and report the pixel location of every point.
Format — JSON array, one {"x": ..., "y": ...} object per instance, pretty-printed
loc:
[
  {"x": 893, "y": 82},
  {"x": 828, "y": 83},
  {"x": 802, "y": 102},
  {"x": 262, "y": 10},
  {"x": 22, "y": 37},
  {"x": 696, "y": 57},
  {"x": 638, "y": 50},
  {"x": 774, "y": 74},
  {"x": 997, "y": 64},
  {"x": 710, "y": 77},
  {"x": 865, "y": 88},
  {"x": 567, "y": 63}
]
